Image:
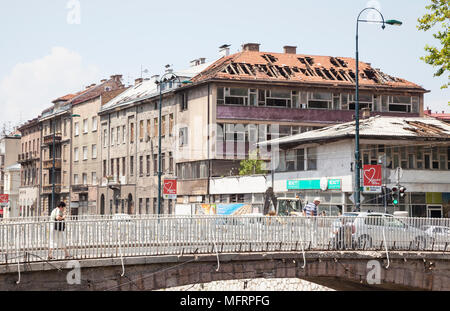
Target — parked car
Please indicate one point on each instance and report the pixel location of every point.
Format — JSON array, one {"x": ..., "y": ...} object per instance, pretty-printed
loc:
[
  {"x": 439, "y": 234},
  {"x": 370, "y": 230}
]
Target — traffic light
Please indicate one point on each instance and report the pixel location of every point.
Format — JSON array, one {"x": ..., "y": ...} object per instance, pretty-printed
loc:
[
  {"x": 402, "y": 191},
  {"x": 395, "y": 195}
]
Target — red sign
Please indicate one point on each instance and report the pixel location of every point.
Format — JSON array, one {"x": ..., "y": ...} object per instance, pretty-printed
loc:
[
  {"x": 170, "y": 186},
  {"x": 372, "y": 175},
  {"x": 4, "y": 198}
]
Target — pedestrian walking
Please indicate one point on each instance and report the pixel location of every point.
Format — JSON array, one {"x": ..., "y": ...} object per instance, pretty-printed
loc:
[
  {"x": 58, "y": 230},
  {"x": 311, "y": 210}
]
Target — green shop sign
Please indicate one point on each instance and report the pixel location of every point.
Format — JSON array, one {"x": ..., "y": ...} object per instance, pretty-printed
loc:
[
  {"x": 312, "y": 184},
  {"x": 303, "y": 184},
  {"x": 334, "y": 184}
]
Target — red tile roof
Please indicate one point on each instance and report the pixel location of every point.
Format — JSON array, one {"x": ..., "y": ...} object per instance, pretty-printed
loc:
[
  {"x": 442, "y": 116},
  {"x": 251, "y": 65}
]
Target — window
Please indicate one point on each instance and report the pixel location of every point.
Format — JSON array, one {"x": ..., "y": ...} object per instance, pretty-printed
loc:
[
  {"x": 104, "y": 168},
  {"x": 77, "y": 129},
  {"x": 85, "y": 126},
  {"x": 94, "y": 178},
  {"x": 149, "y": 128},
  {"x": 75, "y": 154},
  {"x": 118, "y": 134},
  {"x": 94, "y": 151},
  {"x": 236, "y": 96},
  {"x": 155, "y": 127},
  {"x": 141, "y": 166},
  {"x": 112, "y": 167},
  {"x": 171, "y": 163},
  {"x": 184, "y": 101},
  {"x": 124, "y": 171},
  {"x": 85, "y": 153},
  {"x": 141, "y": 130},
  {"x": 183, "y": 136},
  {"x": 75, "y": 179},
  {"x": 320, "y": 100},
  {"x": 131, "y": 133},
  {"x": 400, "y": 103},
  {"x": 278, "y": 98},
  {"x": 148, "y": 164},
  {"x": 147, "y": 206},
  {"x": 131, "y": 165},
  {"x": 124, "y": 131},
  {"x": 163, "y": 162},
  {"x": 94, "y": 124},
  {"x": 141, "y": 203},
  {"x": 112, "y": 136},
  {"x": 85, "y": 182},
  {"x": 365, "y": 101},
  {"x": 105, "y": 138},
  {"x": 155, "y": 163},
  {"x": 171, "y": 124}
]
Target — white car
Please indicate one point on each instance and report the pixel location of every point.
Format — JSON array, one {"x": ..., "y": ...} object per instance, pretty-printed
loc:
[
  {"x": 439, "y": 234},
  {"x": 377, "y": 230}
]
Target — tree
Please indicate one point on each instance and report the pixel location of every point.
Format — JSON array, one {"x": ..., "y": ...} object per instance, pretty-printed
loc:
[
  {"x": 439, "y": 14},
  {"x": 251, "y": 166}
]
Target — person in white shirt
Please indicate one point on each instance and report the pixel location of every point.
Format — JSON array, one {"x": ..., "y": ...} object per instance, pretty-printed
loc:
[{"x": 57, "y": 230}]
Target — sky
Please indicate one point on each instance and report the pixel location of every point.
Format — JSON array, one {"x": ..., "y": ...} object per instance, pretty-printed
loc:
[{"x": 50, "y": 48}]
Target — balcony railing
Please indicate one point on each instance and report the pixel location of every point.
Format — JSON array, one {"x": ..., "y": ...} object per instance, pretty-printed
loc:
[
  {"x": 47, "y": 189},
  {"x": 48, "y": 164},
  {"x": 48, "y": 140}
]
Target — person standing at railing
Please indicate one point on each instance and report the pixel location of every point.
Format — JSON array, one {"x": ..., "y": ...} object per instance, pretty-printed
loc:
[
  {"x": 57, "y": 230},
  {"x": 311, "y": 210}
]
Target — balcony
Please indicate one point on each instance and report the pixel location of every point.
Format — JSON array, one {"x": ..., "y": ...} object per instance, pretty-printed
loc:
[
  {"x": 48, "y": 140},
  {"x": 48, "y": 164},
  {"x": 47, "y": 189}
]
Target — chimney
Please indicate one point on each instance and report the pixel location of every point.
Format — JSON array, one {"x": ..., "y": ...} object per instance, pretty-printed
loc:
[
  {"x": 224, "y": 50},
  {"x": 116, "y": 78},
  {"x": 137, "y": 81},
  {"x": 290, "y": 49},
  {"x": 254, "y": 47},
  {"x": 195, "y": 62},
  {"x": 202, "y": 60},
  {"x": 103, "y": 81}
]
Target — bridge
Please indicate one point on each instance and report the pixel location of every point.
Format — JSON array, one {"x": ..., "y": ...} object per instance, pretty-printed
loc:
[{"x": 150, "y": 252}]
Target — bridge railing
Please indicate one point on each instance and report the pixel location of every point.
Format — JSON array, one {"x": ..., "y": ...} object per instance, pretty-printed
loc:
[{"x": 152, "y": 235}]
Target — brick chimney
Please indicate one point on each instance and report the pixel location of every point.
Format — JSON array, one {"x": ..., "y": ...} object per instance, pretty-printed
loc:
[
  {"x": 254, "y": 47},
  {"x": 116, "y": 78},
  {"x": 290, "y": 49}
]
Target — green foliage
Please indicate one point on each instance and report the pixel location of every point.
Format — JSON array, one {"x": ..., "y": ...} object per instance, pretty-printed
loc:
[
  {"x": 439, "y": 16},
  {"x": 251, "y": 166}
]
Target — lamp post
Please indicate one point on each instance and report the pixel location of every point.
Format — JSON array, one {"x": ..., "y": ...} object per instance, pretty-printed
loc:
[
  {"x": 160, "y": 83},
  {"x": 54, "y": 161},
  {"x": 357, "y": 153}
]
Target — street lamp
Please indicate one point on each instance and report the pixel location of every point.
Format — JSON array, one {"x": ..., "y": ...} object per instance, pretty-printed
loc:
[
  {"x": 160, "y": 83},
  {"x": 392, "y": 22},
  {"x": 54, "y": 160}
]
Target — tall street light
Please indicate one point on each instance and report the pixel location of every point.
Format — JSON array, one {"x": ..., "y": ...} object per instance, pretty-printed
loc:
[
  {"x": 357, "y": 153},
  {"x": 161, "y": 83},
  {"x": 54, "y": 161}
]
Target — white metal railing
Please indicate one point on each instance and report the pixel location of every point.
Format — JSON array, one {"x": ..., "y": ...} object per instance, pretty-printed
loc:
[{"x": 149, "y": 235}]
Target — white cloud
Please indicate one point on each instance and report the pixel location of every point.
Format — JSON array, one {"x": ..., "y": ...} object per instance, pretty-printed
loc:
[{"x": 30, "y": 87}]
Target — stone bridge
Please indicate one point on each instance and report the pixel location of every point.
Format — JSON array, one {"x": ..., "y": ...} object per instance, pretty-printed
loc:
[{"x": 340, "y": 270}]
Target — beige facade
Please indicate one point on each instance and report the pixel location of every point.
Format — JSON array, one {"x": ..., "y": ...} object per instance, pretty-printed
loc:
[
  {"x": 29, "y": 158},
  {"x": 85, "y": 157}
]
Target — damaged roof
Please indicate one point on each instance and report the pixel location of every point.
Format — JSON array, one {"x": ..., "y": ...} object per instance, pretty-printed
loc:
[
  {"x": 375, "y": 127},
  {"x": 143, "y": 90},
  {"x": 255, "y": 65}
]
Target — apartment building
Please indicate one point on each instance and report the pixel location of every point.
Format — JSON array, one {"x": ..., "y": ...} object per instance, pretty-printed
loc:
[
  {"x": 9, "y": 150},
  {"x": 30, "y": 173},
  {"x": 85, "y": 141},
  {"x": 129, "y": 148},
  {"x": 411, "y": 152},
  {"x": 253, "y": 96}
]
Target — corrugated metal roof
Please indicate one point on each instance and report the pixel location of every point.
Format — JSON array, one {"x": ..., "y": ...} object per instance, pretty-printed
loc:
[{"x": 372, "y": 127}]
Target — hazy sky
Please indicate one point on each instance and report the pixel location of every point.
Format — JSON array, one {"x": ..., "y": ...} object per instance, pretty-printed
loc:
[{"x": 48, "y": 50}]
